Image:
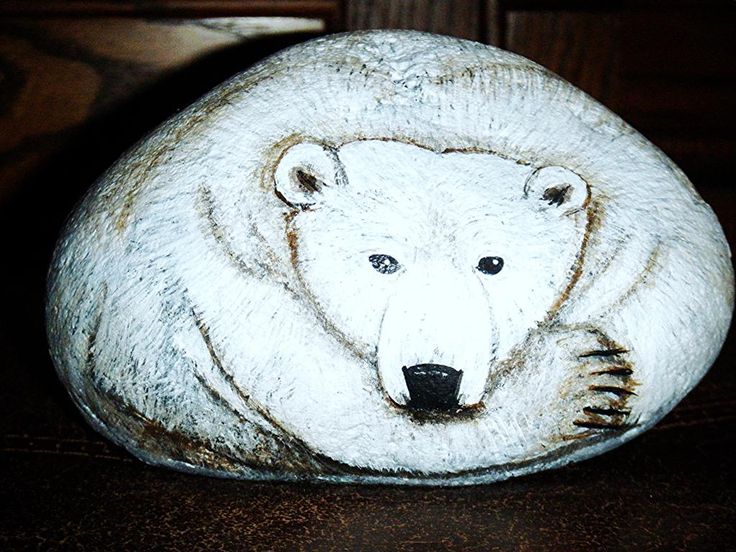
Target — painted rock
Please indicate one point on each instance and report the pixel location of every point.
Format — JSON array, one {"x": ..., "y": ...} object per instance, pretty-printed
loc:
[{"x": 387, "y": 257}]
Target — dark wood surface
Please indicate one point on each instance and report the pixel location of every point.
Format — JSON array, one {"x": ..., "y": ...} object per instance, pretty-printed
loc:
[{"x": 82, "y": 81}]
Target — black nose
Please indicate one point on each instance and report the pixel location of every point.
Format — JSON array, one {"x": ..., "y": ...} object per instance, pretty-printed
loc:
[{"x": 432, "y": 386}]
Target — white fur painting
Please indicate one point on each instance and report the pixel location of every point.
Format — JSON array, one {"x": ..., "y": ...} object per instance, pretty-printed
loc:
[{"x": 387, "y": 257}]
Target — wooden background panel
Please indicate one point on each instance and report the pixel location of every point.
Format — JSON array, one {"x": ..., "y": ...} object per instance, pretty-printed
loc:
[
  {"x": 326, "y": 10},
  {"x": 686, "y": 40},
  {"x": 678, "y": 84},
  {"x": 579, "y": 46},
  {"x": 462, "y": 18},
  {"x": 59, "y": 74}
]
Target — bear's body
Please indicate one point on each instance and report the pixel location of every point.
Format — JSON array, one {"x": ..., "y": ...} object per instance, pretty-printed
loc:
[{"x": 250, "y": 291}]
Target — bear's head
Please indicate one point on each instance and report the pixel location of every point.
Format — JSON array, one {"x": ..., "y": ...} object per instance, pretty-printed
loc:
[{"x": 432, "y": 266}]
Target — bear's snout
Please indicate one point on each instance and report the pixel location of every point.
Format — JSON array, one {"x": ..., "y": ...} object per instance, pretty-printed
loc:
[
  {"x": 438, "y": 325},
  {"x": 433, "y": 387}
]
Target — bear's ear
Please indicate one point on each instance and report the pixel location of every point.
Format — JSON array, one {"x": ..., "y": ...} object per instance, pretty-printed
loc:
[
  {"x": 303, "y": 171},
  {"x": 557, "y": 188}
]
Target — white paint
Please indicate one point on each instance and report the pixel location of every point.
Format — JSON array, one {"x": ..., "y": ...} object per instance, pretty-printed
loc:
[{"x": 175, "y": 275}]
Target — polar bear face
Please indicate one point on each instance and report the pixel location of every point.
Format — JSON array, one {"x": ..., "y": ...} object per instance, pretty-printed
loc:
[{"x": 432, "y": 266}]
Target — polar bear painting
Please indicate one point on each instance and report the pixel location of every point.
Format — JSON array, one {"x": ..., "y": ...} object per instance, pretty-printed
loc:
[{"x": 387, "y": 257}]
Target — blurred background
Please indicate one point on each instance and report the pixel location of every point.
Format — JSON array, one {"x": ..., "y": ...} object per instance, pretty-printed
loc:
[{"x": 81, "y": 81}]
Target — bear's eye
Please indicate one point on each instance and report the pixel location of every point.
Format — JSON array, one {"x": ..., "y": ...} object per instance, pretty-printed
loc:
[
  {"x": 490, "y": 265},
  {"x": 385, "y": 264}
]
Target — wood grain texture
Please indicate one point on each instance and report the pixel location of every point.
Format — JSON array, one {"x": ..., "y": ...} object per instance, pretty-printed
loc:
[
  {"x": 676, "y": 86},
  {"x": 322, "y": 9},
  {"x": 462, "y": 18},
  {"x": 562, "y": 42},
  {"x": 59, "y": 76}
]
